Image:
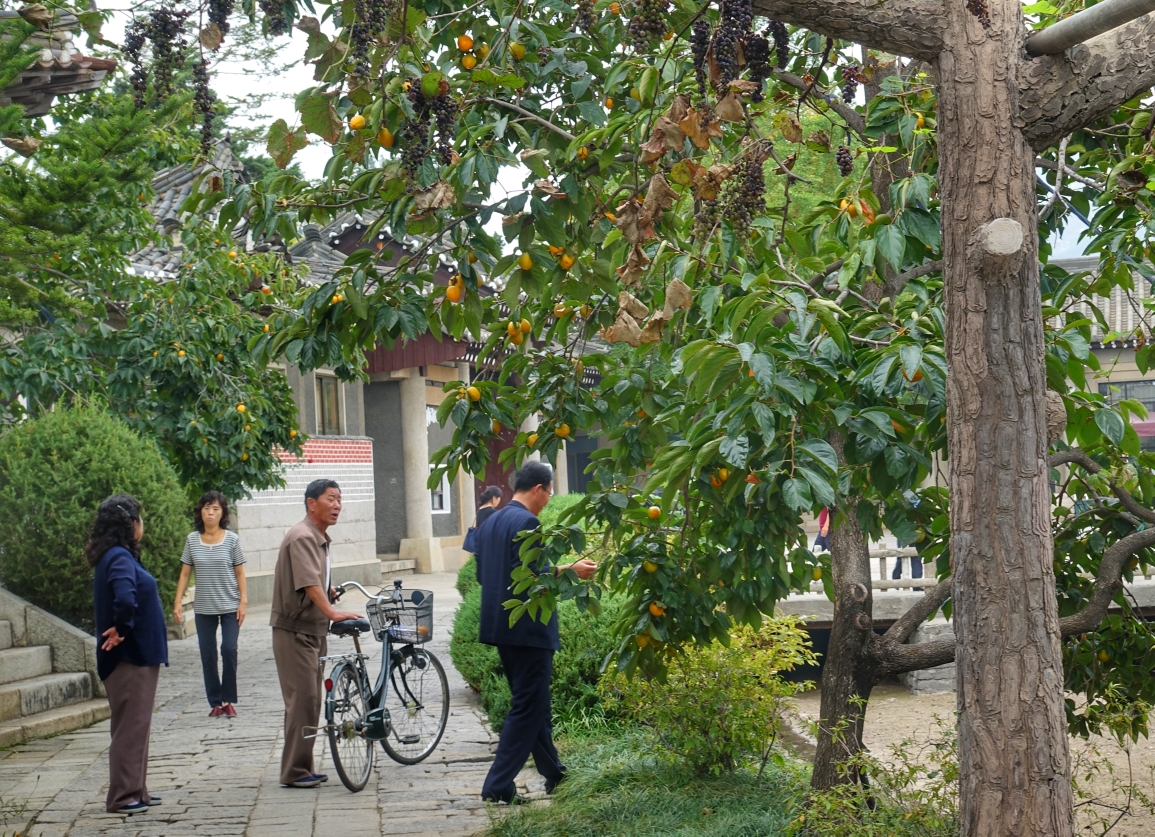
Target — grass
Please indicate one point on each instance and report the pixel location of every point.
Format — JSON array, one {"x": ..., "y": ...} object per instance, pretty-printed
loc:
[{"x": 619, "y": 787}]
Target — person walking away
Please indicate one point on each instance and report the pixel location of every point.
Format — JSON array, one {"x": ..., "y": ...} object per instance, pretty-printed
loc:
[
  {"x": 527, "y": 647},
  {"x": 488, "y": 502},
  {"x": 131, "y": 646},
  {"x": 215, "y": 555},
  {"x": 822, "y": 541},
  {"x": 301, "y": 613}
]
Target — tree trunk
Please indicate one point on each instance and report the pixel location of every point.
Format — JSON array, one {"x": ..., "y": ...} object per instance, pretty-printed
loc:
[
  {"x": 1015, "y": 764},
  {"x": 847, "y": 672}
]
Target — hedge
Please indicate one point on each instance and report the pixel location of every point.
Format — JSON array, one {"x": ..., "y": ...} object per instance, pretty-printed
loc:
[{"x": 54, "y": 473}]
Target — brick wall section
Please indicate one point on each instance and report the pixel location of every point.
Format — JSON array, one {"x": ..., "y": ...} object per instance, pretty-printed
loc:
[{"x": 263, "y": 519}]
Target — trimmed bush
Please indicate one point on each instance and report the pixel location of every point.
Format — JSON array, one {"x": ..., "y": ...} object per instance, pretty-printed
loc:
[
  {"x": 720, "y": 706},
  {"x": 585, "y": 641},
  {"x": 54, "y": 473},
  {"x": 467, "y": 577}
]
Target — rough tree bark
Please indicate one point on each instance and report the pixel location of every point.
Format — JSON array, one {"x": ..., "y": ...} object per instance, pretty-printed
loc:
[
  {"x": 1015, "y": 770},
  {"x": 847, "y": 672}
]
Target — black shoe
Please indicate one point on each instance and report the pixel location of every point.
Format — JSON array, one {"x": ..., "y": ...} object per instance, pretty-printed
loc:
[
  {"x": 510, "y": 798},
  {"x": 551, "y": 784},
  {"x": 134, "y": 808},
  {"x": 153, "y": 801}
]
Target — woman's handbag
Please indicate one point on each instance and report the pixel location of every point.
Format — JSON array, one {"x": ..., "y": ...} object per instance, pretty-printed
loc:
[{"x": 470, "y": 544}]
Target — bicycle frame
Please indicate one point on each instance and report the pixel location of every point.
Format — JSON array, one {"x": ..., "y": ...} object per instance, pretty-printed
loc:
[{"x": 377, "y": 725}]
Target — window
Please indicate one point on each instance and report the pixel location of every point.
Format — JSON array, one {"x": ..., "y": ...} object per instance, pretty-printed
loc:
[
  {"x": 329, "y": 406},
  {"x": 439, "y": 497},
  {"x": 1141, "y": 391}
]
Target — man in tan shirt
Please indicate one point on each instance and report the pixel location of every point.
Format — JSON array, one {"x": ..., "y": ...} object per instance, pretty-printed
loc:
[{"x": 300, "y": 619}]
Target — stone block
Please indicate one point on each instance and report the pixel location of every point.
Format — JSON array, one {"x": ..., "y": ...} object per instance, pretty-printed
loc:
[
  {"x": 23, "y": 663},
  {"x": 424, "y": 552}
]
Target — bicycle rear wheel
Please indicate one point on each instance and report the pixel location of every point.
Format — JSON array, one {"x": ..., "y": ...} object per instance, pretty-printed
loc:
[
  {"x": 346, "y": 706},
  {"x": 417, "y": 697}
]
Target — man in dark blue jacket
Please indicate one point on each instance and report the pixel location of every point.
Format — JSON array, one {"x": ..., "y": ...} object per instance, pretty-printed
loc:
[{"x": 526, "y": 649}]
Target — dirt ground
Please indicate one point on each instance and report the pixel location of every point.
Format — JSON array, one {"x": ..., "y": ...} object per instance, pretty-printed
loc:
[{"x": 894, "y": 716}]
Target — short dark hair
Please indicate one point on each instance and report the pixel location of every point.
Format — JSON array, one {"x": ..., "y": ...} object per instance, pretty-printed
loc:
[
  {"x": 530, "y": 475},
  {"x": 318, "y": 487},
  {"x": 490, "y": 493},
  {"x": 207, "y": 499},
  {"x": 114, "y": 526}
]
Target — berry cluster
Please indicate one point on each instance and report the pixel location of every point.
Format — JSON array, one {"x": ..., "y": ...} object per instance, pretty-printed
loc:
[
  {"x": 544, "y": 53},
  {"x": 445, "y": 112},
  {"x": 777, "y": 30},
  {"x": 726, "y": 53},
  {"x": 164, "y": 29},
  {"x": 218, "y": 13},
  {"x": 585, "y": 16},
  {"x": 757, "y": 51},
  {"x": 738, "y": 13},
  {"x": 851, "y": 77},
  {"x": 844, "y": 159},
  {"x": 981, "y": 10},
  {"x": 705, "y": 219},
  {"x": 699, "y": 47},
  {"x": 648, "y": 23},
  {"x": 743, "y": 195},
  {"x": 416, "y": 144},
  {"x": 372, "y": 17},
  {"x": 275, "y": 21},
  {"x": 205, "y": 102}
]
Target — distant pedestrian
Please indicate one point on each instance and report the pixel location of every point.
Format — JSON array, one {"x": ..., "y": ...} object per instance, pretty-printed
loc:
[
  {"x": 822, "y": 542},
  {"x": 214, "y": 554},
  {"x": 302, "y": 611},
  {"x": 487, "y": 504},
  {"x": 526, "y": 649},
  {"x": 131, "y": 646}
]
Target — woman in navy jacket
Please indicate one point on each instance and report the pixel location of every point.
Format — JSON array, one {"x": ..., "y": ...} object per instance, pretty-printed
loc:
[{"x": 130, "y": 647}]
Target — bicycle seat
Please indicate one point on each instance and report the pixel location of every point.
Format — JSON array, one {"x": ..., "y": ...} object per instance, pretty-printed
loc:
[{"x": 349, "y": 626}]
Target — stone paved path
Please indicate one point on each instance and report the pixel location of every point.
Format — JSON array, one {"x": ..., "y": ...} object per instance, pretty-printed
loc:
[{"x": 219, "y": 776}]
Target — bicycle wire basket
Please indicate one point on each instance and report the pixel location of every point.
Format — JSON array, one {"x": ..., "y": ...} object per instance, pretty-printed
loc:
[{"x": 409, "y": 620}]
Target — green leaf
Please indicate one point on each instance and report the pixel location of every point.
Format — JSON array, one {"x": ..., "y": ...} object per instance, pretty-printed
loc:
[
  {"x": 431, "y": 85},
  {"x": 735, "y": 451},
  {"x": 796, "y": 494},
  {"x": 320, "y": 117},
  {"x": 1111, "y": 423},
  {"x": 911, "y": 354},
  {"x": 892, "y": 244},
  {"x": 283, "y": 143},
  {"x": 822, "y": 453}
]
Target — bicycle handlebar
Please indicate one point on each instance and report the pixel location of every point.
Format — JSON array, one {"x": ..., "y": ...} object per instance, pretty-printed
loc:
[{"x": 342, "y": 587}]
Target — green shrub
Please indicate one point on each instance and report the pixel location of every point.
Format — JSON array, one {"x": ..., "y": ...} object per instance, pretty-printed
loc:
[
  {"x": 467, "y": 577},
  {"x": 720, "y": 706},
  {"x": 54, "y": 473},
  {"x": 585, "y": 641},
  {"x": 557, "y": 506}
]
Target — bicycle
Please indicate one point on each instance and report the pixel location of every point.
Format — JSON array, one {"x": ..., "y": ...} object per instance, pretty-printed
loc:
[{"x": 407, "y": 707}]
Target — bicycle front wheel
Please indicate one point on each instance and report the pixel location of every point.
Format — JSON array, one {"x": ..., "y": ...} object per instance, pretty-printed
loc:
[
  {"x": 417, "y": 697},
  {"x": 346, "y": 708}
]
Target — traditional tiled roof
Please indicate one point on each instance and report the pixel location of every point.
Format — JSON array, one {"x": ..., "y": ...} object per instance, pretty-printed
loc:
[
  {"x": 172, "y": 186},
  {"x": 58, "y": 70}
]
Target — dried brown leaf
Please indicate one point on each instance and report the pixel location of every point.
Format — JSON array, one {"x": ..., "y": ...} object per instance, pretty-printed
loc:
[
  {"x": 679, "y": 108},
  {"x": 38, "y": 15},
  {"x": 635, "y": 222},
  {"x": 437, "y": 196},
  {"x": 549, "y": 188},
  {"x": 744, "y": 87},
  {"x": 25, "y": 147},
  {"x": 632, "y": 305},
  {"x": 659, "y": 195},
  {"x": 679, "y": 295},
  {"x": 730, "y": 109},
  {"x": 634, "y": 269},
  {"x": 624, "y": 330},
  {"x": 700, "y": 126},
  {"x": 210, "y": 37}
]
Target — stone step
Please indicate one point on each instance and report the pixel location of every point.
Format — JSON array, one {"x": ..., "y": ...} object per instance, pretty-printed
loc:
[
  {"x": 40, "y": 694},
  {"x": 397, "y": 569},
  {"x": 5, "y": 634},
  {"x": 24, "y": 663},
  {"x": 54, "y": 721}
]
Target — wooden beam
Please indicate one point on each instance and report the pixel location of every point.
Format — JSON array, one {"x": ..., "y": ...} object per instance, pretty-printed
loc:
[{"x": 1084, "y": 25}]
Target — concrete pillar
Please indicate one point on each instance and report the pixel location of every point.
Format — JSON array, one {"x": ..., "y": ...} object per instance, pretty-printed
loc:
[
  {"x": 561, "y": 472},
  {"x": 419, "y": 543},
  {"x": 466, "y": 492}
]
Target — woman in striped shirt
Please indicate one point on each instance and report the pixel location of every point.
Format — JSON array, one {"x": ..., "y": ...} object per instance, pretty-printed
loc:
[{"x": 214, "y": 553}]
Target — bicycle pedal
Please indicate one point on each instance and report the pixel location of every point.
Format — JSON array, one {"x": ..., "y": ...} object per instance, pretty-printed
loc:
[{"x": 411, "y": 739}]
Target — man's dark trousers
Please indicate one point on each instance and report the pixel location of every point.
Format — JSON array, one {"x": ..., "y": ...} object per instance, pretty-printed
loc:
[{"x": 528, "y": 727}]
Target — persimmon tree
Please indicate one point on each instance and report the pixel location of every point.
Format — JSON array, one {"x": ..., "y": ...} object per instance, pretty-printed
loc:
[{"x": 766, "y": 362}]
